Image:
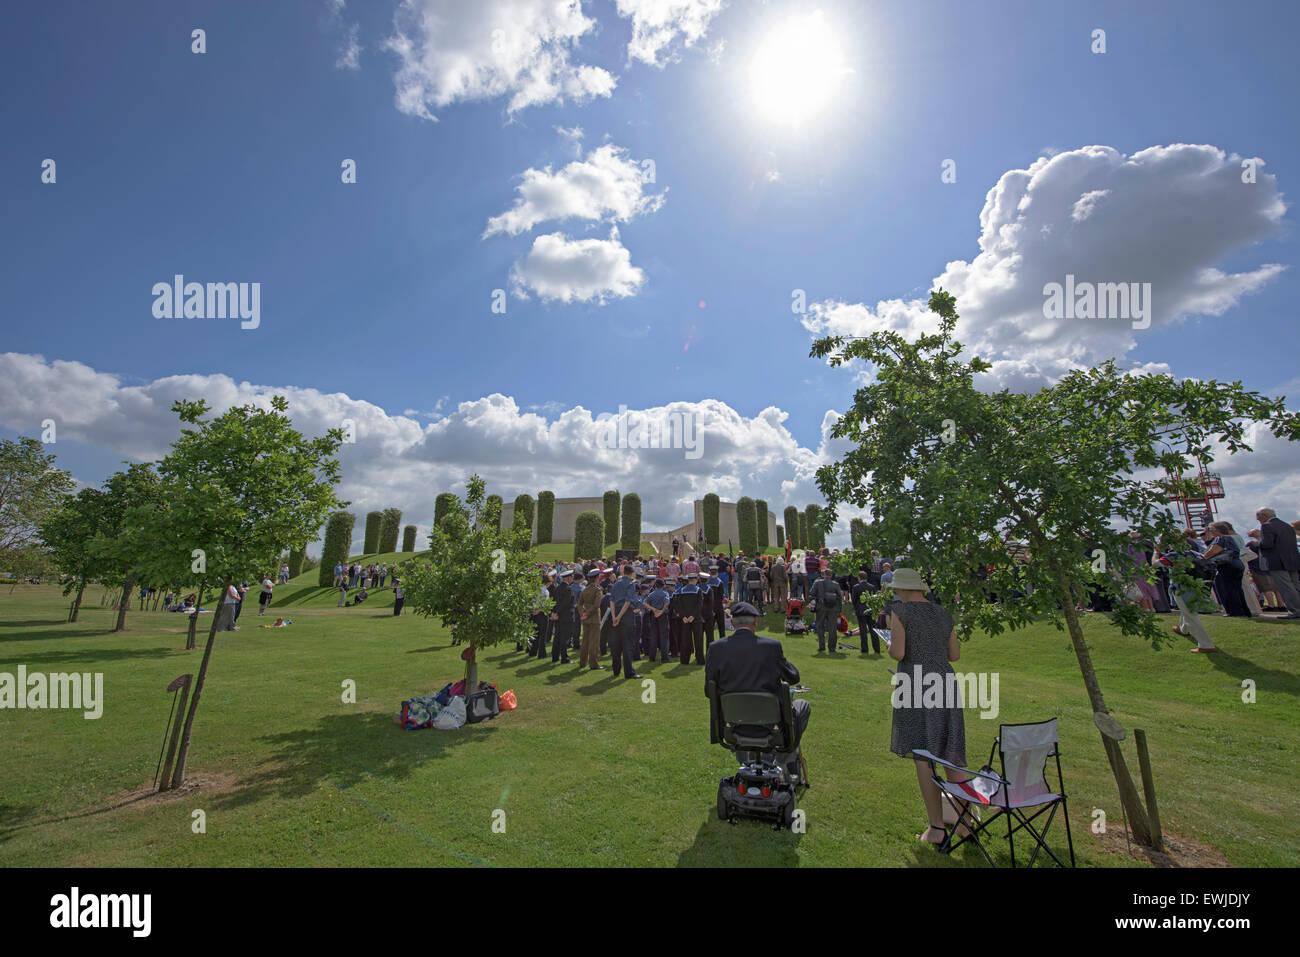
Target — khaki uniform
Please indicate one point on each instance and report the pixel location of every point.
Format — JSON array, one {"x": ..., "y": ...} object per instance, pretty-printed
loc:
[
  {"x": 780, "y": 586},
  {"x": 589, "y": 615}
]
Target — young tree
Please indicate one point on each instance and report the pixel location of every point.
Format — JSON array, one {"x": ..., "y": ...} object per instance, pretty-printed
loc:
[
  {"x": 370, "y": 544},
  {"x": 545, "y": 517},
  {"x": 478, "y": 577},
  {"x": 31, "y": 488},
  {"x": 588, "y": 535},
  {"x": 631, "y": 522},
  {"x": 610, "y": 505},
  {"x": 408, "y": 538},
  {"x": 760, "y": 522},
  {"x": 712, "y": 508},
  {"x": 495, "y": 509},
  {"x": 238, "y": 487},
  {"x": 125, "y": 545},
  {"x": 70, "y": 532},
  {"x": 390, "y": 526},
  {"x": 950, "y": 473},
  {"x": 747, "y": 526}
]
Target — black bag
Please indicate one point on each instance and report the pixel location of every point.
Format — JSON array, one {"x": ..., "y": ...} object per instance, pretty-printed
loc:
[
  {"x": 482, "y": 704},
  {"x": 1203, "y": 568}
]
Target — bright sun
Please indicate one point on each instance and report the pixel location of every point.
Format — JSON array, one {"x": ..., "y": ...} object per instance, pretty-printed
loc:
[{"x": 797, "y": 70}]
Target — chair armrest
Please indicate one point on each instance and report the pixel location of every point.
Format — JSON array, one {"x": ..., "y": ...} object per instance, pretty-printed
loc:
[{"x": 933, "y": 759}]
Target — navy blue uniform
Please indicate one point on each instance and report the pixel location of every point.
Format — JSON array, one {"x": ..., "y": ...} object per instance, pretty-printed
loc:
[{"x": 690, "y": 605}]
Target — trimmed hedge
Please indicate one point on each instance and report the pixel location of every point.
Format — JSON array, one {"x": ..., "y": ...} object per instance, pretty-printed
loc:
[
  {"x": 525, "y": 511},
  {"x": 610, "y": 508},
  {"x": 816, "y": 538},
  {"x": 760, "y": 520},
  {"x": 408, "y": 538},
  {"x": 792, "y": 526},
  {"x": 712, "y": 527},
  {"x": 780, "y": 536},
  {"x": 747, "y": 525},
  {"x": 373, "y": 521},
  {"x": 338, "y": 543},
  {"x": 857, "y": 534},
  {"x": 389, "y": 528},
  {"x": 546, "y": 517},
  {"x": 443, "y": 506},
  {"x": 494, "y": 505},
  {"x": 803, "y": 530},
  {"x": 631, "y": 522},
  {"x": 296, "y": 555},
  {"x": 588, "y": 535}
]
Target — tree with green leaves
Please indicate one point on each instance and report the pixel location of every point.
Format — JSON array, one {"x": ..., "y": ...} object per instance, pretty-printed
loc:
[
  {"x": 545, "y": 516},
  {"x": 478, "y": 578},
  {"x": 712, "y": 508},
  {"x": 70, "y": 532},
  {"x": 792, "y": 526},
  {"x": 956, "y": 473},
  {"x": 747, "y": 525},
  {"x": 337, "y": 547},
  {"x": 525, "y": 512},
  {"x": 390, "y": 526},
  {"x": 814, "y": 534},
  {"x": 588, "y": 535},
  {"x": 858, "y": 537},
  {"x": 631, "y": 522},
  {"x": 296, "y": 557},
  {"x": 610, "y": 506},
  {"x": 443, "y": 506},
  {"x": 124, "y": 544},
  {"x": 237, "y": 488},
  {"x": 408, "y": 538},
  {"x": 31, "y": 488},
  {"x": 495, "y": 509},
  {"x": 370, "y": 544},
  {"x": 760, "y": 523}
]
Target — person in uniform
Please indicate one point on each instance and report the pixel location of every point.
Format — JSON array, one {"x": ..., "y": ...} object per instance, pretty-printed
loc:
[
  {"x": 674, "y": 619},
  {"x": 826, "y": 592},
  {"x": 606, "y": 617},
  {"x": 690, "y": 605},
  {"x": 562, "y": 619},
  {"x": 655, "y": 611},
  {"x": 622, "y": 599},
  {"x": 589, "y": 614},
  {"x": 718, "y": 594},
  {"x": 549, "y": 591},
  {"x": 576, "y": 586}
]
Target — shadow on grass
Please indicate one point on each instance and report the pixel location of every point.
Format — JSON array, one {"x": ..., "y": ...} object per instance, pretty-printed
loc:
[
  {"x": 743, "y": 844},
  {"x": 108, "y": 654},
  {"x": 346, "y": 750},
  {"x": 421, "y": 651},
  {"x": 35, "y": 635},
  {"x": 1266, "y": 679}
]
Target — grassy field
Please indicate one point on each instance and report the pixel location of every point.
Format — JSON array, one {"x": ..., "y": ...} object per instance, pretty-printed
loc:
[{"x": 585, "y": 772}]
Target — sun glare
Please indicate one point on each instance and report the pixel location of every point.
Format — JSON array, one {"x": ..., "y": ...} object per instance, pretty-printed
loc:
[{"x": 797, "y": 70}]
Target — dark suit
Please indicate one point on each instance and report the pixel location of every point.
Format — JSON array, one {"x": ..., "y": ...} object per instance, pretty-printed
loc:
[
  {"x": 746, "y": 662},
  {"x": 860, "y": 611},
  {"x": 1277, "y": 547},
  {"x": 563, "y": 625}
]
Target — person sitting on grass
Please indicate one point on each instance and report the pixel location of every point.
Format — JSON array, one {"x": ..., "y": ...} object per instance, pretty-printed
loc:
[{"x": 279, "y": 623}]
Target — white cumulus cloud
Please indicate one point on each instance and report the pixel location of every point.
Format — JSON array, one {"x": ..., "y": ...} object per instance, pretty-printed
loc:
[{"x": 581, "y": 270}]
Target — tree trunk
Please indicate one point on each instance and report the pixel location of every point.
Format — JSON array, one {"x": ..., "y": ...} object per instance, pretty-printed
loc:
[
  {"x": 76, "y": 604},
  {"x": 1128, "y": 793},
  {"x": 178, "y": 776},
  {"x": 122, "y": 605},
  {"x": 471, "y": 677}
]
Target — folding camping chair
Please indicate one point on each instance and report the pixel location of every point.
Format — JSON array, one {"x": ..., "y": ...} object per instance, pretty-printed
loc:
[{"x": 1020, "y": 793}]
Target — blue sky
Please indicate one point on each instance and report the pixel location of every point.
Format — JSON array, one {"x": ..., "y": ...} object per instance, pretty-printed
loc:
[{"x": 225, "y": 166}]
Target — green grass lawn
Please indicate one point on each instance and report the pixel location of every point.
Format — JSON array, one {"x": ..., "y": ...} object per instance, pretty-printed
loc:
[{"x": 586, "y": 773}]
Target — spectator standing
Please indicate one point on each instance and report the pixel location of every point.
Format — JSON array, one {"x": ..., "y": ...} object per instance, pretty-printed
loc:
[
  {"x": 264, "y": 601},
  {"x": 1278, "y": 557}
]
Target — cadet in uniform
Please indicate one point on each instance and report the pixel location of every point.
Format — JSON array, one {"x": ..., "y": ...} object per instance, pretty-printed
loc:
[
  {"x": 606, "y": 617},
  {"x": 716, "y": 616},
  {"x": 690, "y": 605},
  {"x": 622, "y": 599},
  {"x": 589, "y": 613},
  {"x": 656, "y": 618},
  {"x": 576, "y": 586},
  {"x": 562, "y": 619}
]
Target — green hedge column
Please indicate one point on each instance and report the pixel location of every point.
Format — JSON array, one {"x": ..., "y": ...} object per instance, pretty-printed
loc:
[
  {"x": 588, "y": 535},
  {"x": 408, "y": 538},
  {"x": 813, "y": 535},
  {"x": 760, "y": 522},
  {"x": 803, "y": 531},
  {"x": 631, "y": 522},
  {"x": 746, "y": 525},
  {"x": 610, "y": 504},
  {"x": 525, "y": 511},
  {"x": 338, "y": 541},
  {"x": 494, "y": 507},
  {"x": 546, "y": 518},
  {"x": 780, "y": 536},
  {"x": 373, "y": 521},
  {"x": 389, "y": 528},
  {"x": 857, "y": 533},
  {"x": 442, "y": 507},
  {"x": 712, "y": 506},
  {"x": 792, "y": 526},
  {"x": 296, "y": 555}
]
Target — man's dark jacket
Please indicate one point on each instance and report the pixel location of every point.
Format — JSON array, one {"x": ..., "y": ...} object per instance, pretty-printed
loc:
[
  {"x": 746, "y": 662},
  {"x": 1277, "y": 545}
]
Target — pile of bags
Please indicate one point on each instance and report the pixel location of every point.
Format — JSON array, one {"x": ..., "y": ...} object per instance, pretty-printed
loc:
[{"x": 450, "y": 708}]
